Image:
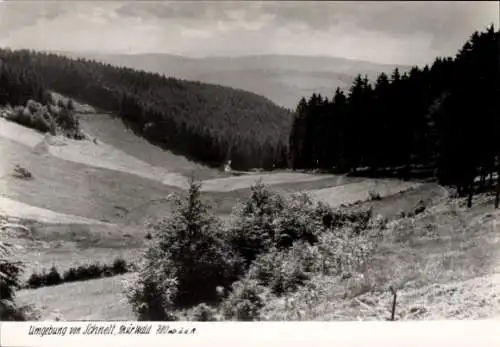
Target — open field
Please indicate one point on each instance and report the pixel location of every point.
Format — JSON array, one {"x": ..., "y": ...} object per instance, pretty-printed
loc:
[
  {"x": 406, "y": 201},
  {"x": 114, "y": 132},
  {"x": 221, "y": 185},
  {"x": 16, "y": 209},
  {"x": 90, "y": 300},
  {"x": 100, "y": 155},
  {"x": 73, "y": 188},
  {"x": 360, "y": 191}
]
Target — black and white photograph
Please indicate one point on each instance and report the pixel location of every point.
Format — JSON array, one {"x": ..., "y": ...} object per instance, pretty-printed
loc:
[{"x": 218, "y": 161}]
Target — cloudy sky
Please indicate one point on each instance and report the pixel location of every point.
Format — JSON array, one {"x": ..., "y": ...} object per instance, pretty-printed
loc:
[{"x": 385, "y": 32}]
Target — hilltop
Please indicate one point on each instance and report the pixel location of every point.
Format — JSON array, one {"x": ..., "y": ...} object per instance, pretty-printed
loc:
[{"x": 284, "y": 79}]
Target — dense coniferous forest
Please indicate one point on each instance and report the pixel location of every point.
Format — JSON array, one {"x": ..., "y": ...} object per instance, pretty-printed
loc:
[
  {"x": 207, "y": 123},
  {"x": 441, "y": 120},
  {"x": 20, "y": 83}
]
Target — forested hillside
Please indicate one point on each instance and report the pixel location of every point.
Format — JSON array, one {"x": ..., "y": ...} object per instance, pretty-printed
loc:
[
  {"x": 207, "y": 123},
  {"x": 20, "y": 83},
  {"x": 443, "y": 117}
]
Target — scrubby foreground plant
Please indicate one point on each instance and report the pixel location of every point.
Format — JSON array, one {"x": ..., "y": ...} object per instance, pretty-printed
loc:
[
  {"x": 188, "y": 259},
  {"x": 10, "y": 271},
  {"x": 289, "y": 241},
  {"x": 276, "y": 245}
]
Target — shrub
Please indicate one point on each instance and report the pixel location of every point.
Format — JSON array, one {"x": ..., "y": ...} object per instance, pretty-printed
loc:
[
  {"x": 286, "y": 270},
  {"x": 343, "y": 251},
  {"x": 82, "y": 273},
  {"x": 152, "y": 291},
  {"x": 358, "y": 220},
  {"x": 420, "y": 207},
  {"x": 203, "y": 313},
  {"x": 10, "y": 272},
  {"x": 22, "y": 173},
  {"x": 374, "y": 195},
  {"x": 255, "y": 227},
  {"x": 34, "y": 116},
  {"x": 245, "y": 301},
  {"x": 266, "y": 220},
  {"x": 53, "y": 277},
  {"x": 70, "y": 275},
  {"x": 35, "y": 281},
  {"x": 302, "y": 219},
  {"x": 107, "y": 271},
  {"x": 120, "y": 266},
  {"x": 49, "y": 118},
  {"x": 188, "y": 258},
  {"x": 95, "y": 270}
]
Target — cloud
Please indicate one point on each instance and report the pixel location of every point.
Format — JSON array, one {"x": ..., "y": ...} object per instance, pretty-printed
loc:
[
  {"x": 405, "y": 32},
  {"x": 15, "y": 15},
  {"x": 185, "y": 10}
]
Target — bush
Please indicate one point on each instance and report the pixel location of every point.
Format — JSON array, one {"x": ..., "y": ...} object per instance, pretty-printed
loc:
[
  {"x": 374, "y": 195},
  {"x": 82, "y": 273},
  {"x": 153, "y": 290},
  {"x": 53, "y": 278},
  {"x": 245, "y": 301},
  {"x": 255, "y": 227},
  {"x": 203, "y": 313},
  {"x": 70, "y": 275},
  {"x": 107, "y": 271},
  {"x": 22, "y": 173},
  {"x": 34, "y": 116},
  {"x": 120, "y": 266},
  {"x": 344, "y": 251},
  {"x": 266, "y": 220},
  {"x": 10, "y": 272},
  {"x": 48, "y": 119},
  {"x": 95, "y": 270},
  {"x": 35, "y": 281},
  {"x": 302, "y": 219},
  {"x": 286, "y": 270},
  {"x": 420, "y": 207},
  {"x": 188, "y": 251},
  {"x": 358, "y": 220}
]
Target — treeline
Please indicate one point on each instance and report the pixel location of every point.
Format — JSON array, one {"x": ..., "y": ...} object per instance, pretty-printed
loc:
[
  {"x": 79, "y": 273},
  {"x": 20, "y": 83},
  {"x": 443, "y": 118},
  {"x": 207, "y": 123}
]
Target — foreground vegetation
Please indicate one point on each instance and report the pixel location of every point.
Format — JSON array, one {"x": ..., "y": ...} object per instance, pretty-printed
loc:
[
  {"x": 10, "y": 283},
  {"x": 295, "y": 259},
  {"x": 274, "y": 246}
]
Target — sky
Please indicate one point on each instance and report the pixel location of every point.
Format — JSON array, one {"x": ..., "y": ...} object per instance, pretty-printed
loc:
[{"x": 380, "y": 32}]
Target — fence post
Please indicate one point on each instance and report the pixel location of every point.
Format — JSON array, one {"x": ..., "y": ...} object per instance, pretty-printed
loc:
[{"x": 393, "y": 312}]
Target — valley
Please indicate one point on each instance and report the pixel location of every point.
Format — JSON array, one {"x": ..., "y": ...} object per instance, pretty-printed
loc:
[
  {"x": 252, "y": 188},
  {"x": 91, "y": 202}
]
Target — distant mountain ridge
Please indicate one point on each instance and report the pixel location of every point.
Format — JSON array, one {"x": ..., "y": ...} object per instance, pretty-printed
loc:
[{"x": 284, "y": 79}]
